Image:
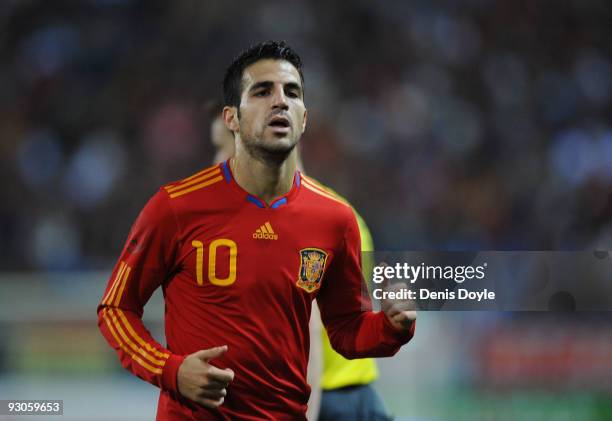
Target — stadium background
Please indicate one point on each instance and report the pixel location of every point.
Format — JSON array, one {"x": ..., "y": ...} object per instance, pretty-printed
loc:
[{"x": 450, "y": 125}]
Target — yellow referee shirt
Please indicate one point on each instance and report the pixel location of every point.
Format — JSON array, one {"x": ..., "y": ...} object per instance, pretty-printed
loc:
[{"x": 337, "y": 370}]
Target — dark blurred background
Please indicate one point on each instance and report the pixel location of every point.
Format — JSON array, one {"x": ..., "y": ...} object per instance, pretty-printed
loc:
[{"x": 450, "y": 125}]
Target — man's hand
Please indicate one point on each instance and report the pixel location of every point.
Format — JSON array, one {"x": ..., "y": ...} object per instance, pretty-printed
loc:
[
  {"x": 202, "y": 382},
  {"x": 401, "y": 313}
]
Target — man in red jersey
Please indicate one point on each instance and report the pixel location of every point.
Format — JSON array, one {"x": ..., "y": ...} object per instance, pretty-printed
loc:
[{"x": 240, "y": 250}]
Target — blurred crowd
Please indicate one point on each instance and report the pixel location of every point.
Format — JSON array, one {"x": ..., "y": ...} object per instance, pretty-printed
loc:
[{"x": 451, "y": 125}]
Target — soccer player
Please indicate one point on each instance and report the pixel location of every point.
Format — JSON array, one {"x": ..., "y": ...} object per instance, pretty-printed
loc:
[
  {"x": 240, "y": 250},
  {"x": 347, "y": 392}
]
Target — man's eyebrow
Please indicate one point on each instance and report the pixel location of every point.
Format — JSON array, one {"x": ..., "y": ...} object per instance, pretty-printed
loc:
[
  {"x": 262, "y": 84},
  {"x": 268, "y": 84},
  {"x": 293, "y": 85}
]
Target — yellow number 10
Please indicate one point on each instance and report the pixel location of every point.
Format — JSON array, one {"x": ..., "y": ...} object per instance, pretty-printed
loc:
[{"x": 212, "y": 261}]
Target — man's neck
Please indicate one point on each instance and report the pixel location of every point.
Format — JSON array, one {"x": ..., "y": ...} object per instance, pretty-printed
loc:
[{"x": 265, "y": 180}]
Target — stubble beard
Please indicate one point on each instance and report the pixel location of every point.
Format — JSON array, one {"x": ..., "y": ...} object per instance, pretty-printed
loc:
[{"x": 266, "y": 153}]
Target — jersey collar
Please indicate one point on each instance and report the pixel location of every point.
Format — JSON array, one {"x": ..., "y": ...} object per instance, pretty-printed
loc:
[{"x": 277, "y": 203}]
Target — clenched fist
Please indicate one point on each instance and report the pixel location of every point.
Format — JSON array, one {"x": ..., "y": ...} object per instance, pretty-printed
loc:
[
  {"x": 401, "y": 313},
  {"x": 202, "y": 382}
]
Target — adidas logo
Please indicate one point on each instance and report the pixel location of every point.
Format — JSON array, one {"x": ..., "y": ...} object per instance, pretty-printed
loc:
[{"x": 265, "y": 232}]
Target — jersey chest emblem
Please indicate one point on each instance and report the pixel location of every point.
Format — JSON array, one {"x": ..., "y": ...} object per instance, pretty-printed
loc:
[{"x": 312, "y": 267}]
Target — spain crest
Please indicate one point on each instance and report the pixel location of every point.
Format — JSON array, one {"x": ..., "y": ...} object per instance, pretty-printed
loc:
[{"x": 312, "y": 267}]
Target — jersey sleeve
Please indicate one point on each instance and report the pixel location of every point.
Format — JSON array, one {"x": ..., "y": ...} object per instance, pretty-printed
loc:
[
  {"x": 354, "y": 330},
  {"x": 145, "y": 262}
]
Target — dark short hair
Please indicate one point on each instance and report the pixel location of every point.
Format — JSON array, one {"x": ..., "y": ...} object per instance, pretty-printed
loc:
[{"x": 276, "y": 50}]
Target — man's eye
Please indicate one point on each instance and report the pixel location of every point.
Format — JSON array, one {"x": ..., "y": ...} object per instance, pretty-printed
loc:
[
  {"x": 261, "y": 93},
  {"x": 292, "y": 94}
]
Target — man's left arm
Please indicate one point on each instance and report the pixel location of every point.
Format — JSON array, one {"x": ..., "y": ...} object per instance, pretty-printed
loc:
[{"x": 354, "y": 330}]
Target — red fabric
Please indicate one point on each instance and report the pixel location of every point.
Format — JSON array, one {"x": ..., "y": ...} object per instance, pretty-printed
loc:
[{"x": 262, "y": 316}]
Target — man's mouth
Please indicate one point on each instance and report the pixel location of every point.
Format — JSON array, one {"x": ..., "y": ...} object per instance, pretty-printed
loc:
[{"x": 280, "y": 124}]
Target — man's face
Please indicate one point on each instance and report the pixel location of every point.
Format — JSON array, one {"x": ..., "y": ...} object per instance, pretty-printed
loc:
[{"x": 272, "y": 114}]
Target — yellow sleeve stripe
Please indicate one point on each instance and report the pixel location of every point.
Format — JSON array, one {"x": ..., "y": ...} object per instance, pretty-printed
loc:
[
  {"x": 308, "y": 184},
  {"x": 328, "y": 190},
  {"x": 120, "y": 281},
  {"x": 135, "y": 335},
  {"x": 198, "y": 174},
  {"x": 124, "y": 273},
  {"x": 135, "y": 357},
  {"x": 172, "y": 189},
  {"x": 118, "y": 277},
  {"x": 123, "y": 282},
  {"x": 131, "y": 343},
  {"x": 315, "y": 183},
  {"x": 196, "y": 187}
]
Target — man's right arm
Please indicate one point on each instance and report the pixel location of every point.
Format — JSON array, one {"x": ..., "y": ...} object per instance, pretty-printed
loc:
[
  {"x": 145, "y": 263},
  {"x": 143, "y": 266}
]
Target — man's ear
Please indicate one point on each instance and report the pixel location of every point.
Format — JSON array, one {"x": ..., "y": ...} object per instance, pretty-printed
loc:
[
  {"x": 304, "y": 122},
  {"x": 230, "y": 118}
]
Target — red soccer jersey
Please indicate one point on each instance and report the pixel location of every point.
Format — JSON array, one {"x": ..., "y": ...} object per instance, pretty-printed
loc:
[{"x": 236, "y": 271}]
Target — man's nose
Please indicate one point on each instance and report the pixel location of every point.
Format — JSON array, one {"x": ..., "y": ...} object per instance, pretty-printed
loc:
[{"x": 279, "y": 98}]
